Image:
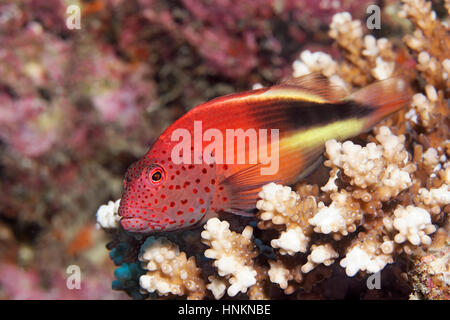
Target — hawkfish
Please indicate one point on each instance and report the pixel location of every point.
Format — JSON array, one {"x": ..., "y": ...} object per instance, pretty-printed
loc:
[{"x": 191, "y": 173}]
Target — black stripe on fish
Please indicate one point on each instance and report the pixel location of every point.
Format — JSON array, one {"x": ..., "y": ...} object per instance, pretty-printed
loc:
[{"x": 304, "y": 114}]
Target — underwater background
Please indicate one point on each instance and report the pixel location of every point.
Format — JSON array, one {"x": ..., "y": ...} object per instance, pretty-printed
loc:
[{"x": 78, "y": 105}]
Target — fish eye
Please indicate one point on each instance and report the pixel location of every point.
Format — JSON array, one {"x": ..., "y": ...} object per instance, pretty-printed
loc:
[{"x": 156, "y": 175}]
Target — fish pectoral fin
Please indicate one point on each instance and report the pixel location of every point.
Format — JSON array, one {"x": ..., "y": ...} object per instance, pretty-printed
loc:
[
  {"x": 314, "y": 87},
  {"x": 242, "y": 188},
  {"x": 247, "y": 178},
  {"x": 311, "y": 164}
]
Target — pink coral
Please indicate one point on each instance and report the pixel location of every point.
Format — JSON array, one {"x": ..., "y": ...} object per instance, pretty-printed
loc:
[{"x": 17, "y": 284}]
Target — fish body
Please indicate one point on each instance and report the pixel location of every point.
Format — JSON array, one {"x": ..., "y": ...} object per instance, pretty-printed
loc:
[{"x": 193, "y": 170}]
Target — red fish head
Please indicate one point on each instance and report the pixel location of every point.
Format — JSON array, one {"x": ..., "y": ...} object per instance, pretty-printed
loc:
[{"x": 162, "y": 196}]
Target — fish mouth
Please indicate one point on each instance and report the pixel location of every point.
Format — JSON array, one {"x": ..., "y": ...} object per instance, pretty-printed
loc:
[{"x": 125, "y": 212}]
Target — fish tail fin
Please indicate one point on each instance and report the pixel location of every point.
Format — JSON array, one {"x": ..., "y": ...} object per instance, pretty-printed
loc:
[{"x": 385, "y": 96}]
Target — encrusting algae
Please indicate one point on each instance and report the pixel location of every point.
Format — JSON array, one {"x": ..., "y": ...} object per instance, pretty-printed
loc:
[{"x": 380, "y": 202}]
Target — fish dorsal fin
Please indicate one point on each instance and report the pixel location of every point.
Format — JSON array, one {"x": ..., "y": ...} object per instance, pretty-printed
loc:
[{"x": 313, "y": 87}]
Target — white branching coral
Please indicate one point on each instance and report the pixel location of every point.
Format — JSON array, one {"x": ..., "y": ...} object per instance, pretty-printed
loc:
[
  {"x": 412, "y": 224},
  {"x": 372, "y": 174},
  {"x": 329, "y": 219},
  {"x": 361, "y": 181},
  {"x": 217, "y": 286},
  {"x": 342, "y": 27},
  {"x": 383, "y": 69},
  {"x": 370, "y": 251},
  {"x": 314, "y": 62},
  {"x": 323, "y": 253},
  {"x": 446, "y": 174},
  {"x": 341, "y": 216},
  {"x": 280, "y": 205},
  {"x": 277, "y": 203},
  {"x": 279, "y": 274},
  {"x": 435, "y": 198},
  {"x": 429, "y": 43},
  {"x": 446, "y": 66},
  {"x": 431, "y": 157},
  {"x": 233, "y": 253},
  {"x": 169, "y": 271},
  {"x": 358, "y": 258},
  {"x": 424, "y": 107},
  {"x": 108, "y": 215},
  {"x": 291, "y": 241},
  {"x": 318, "y": 62},
  {"x": 363, "y": 165},
  {"x": 372, "y": 50},
  {"x": 366, "y": 58},
  {"x": 387, "y": 162},
  {"x": 373, "y": 46},
  {"x": 331, "y": 186}
]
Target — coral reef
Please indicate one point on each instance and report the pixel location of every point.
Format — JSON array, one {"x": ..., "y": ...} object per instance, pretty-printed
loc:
[
  {"x": 430, "y": 270},
  {"x": 378, "y": 203},
  {"x": 278, "y": 205},
  {"x": 233, "y": 254},
  {"x": 169, "y": 271},
  {"x": 108, "y": 215},
  {"x": 77, "y": 107}
]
